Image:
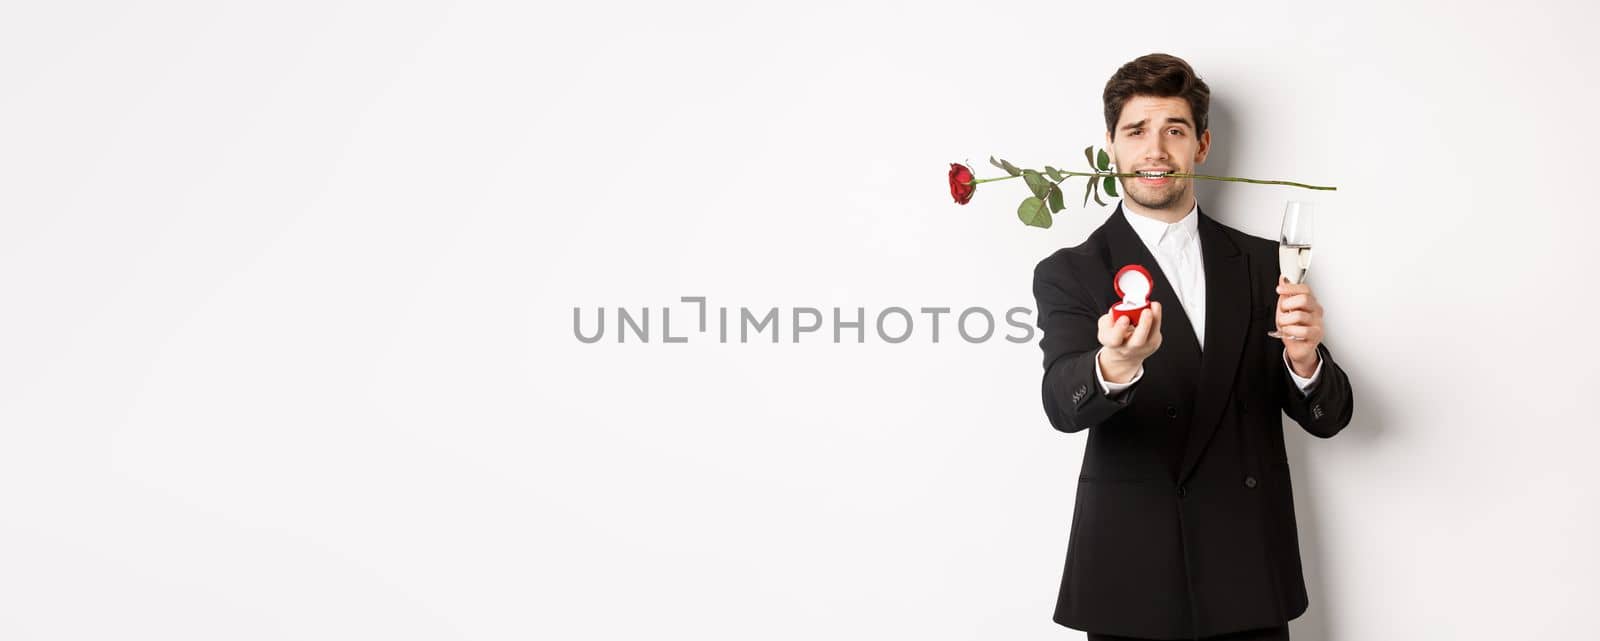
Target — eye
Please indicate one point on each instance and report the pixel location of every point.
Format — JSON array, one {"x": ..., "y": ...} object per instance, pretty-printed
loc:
[{"x": 1176, "y": 131}]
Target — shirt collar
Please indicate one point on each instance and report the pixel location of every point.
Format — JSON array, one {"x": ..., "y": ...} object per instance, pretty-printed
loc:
[{"x": 1151, "y": 231}]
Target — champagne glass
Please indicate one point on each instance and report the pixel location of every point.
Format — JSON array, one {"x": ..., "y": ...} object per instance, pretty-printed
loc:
[{"x": 1294, "y": 247}]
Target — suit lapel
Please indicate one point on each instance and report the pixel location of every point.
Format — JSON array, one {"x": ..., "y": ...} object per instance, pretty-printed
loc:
[{"x": 1227, "y": 319}]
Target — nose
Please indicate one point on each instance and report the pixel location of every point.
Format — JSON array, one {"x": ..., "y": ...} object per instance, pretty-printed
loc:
[{"x": 1157, "y": 153}]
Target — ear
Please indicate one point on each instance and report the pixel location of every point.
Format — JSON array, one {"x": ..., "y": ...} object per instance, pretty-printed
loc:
[{"x": 1205, "y": 147}]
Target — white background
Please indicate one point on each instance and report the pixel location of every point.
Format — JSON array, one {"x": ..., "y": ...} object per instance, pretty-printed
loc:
[{"x": 287, "y": 347}]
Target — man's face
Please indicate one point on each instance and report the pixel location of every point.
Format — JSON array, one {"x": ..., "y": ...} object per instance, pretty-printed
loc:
[{"x": 1158, "y": 134}]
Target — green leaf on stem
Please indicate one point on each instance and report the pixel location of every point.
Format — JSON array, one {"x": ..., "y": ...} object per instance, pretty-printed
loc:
[
  {"x": 1088, "y": 154},
  {"x": 1032, "y": 212},
  {"x": 1055, "y": 199},
  {"x": 1097, "y": 198},
  {"x": 1010, "y": 168},
  {"x": 1086, "y": 189},
  {"x": 1053, "y": 173},
  {"x": 1036, "y": 182},
  {"x": 1104, "y": 160},
  {"x": 1111, "y": 186}
]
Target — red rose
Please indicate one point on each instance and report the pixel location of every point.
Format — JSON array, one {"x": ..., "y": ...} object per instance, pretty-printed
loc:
[{"x": 961, "y": 186}]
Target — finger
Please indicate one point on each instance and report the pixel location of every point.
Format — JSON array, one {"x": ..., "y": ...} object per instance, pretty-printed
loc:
[
  {"x": 1297, "y": 301},
  {"x": 1114, "y": 335},
  {"x": 1142, "y": 332},
  {"x": 1300, "y": 319},
  {"x": 1314, "y": 334},
  {"x": 1153, "y": 341},
  {"x": 1289, "y": 289},
  {"x": 1294, "y": 318},
  {"x": 1301, "y": 332}
]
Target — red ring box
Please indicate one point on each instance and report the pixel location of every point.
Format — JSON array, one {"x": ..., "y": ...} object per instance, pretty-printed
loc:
[{"x": 1134, "y": 285}]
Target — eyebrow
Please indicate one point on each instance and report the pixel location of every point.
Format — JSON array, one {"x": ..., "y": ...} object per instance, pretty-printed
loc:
[{"x": 1170, "y": 120}]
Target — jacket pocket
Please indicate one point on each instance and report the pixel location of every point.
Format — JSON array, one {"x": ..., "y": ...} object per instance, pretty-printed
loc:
[{"x": 1085, "y": 478}]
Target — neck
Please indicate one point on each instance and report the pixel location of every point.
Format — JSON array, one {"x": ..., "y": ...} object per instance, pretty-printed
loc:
[{"x": 1169, "y": 215}]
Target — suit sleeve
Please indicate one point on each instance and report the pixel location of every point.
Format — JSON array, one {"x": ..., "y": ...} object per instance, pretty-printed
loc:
[
  {"x": 1113, "y": 389},
  {"x": 1329, "y": 405},
  {"x": 1305, "y": 384},
  {"x": 1073, "y": 397}
]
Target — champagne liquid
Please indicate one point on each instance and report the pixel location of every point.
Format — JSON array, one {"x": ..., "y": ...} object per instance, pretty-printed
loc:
[{"x": 1293, "y": 261}]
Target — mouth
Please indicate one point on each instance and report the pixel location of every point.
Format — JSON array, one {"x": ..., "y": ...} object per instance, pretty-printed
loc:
[{"x": 1154, "y": 176}]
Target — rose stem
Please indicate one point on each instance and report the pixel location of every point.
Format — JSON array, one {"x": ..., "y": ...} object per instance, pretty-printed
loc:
[{"x": 1174, "y": 175}]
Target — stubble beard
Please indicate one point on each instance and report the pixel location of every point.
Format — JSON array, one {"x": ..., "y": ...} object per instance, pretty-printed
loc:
[{"x": 1156, "y": 199}]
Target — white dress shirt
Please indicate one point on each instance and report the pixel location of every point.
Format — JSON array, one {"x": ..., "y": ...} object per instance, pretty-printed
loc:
[{"x": 1176, "y": 247}]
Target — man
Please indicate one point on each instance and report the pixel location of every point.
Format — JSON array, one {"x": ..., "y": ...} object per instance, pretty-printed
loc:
[{"x": 1184, "y": 520}]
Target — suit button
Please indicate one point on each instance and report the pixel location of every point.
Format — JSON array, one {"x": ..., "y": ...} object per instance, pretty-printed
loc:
[
  {"x": 1182, "y": 491},
  {"x": 1172, "y": 412},
  {"x": 1249, "y": 481}
]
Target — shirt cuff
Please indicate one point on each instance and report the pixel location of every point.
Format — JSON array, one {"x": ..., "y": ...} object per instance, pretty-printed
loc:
[
  {"x": 1305, "y": 384},
  {"x": 1111, "y": 389}
]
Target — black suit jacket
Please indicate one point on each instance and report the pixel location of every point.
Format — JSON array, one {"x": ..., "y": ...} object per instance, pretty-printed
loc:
[{"x": 1184, "y": 519}]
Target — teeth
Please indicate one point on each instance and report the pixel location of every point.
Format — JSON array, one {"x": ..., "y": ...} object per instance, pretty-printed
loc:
[{"x": 1153, "y": 174}]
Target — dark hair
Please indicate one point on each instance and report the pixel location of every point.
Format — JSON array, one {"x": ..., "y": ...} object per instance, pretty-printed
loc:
[{"x": 1159, "y": 75}]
